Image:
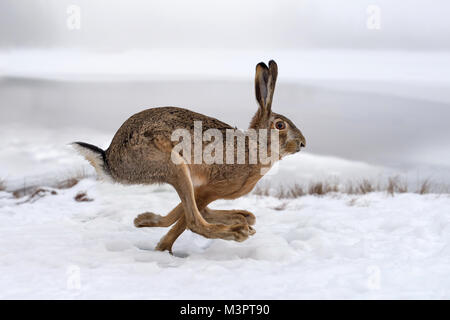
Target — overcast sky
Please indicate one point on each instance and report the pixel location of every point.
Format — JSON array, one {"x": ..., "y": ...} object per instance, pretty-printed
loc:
[{"x": 232, "y": 24}]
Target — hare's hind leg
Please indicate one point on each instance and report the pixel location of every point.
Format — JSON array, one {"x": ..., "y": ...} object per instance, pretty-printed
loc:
[
  {"x": 211, "y": 214},
  {"x": 230, "y": 217},
  {"x": 149, "y": 219},
  {"x": 178, "y": 175}
]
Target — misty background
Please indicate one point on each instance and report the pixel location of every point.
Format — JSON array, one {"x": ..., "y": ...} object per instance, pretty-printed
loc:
[
  {"x": 365, "y": 81},
  {"x": 233, "y": 24}
]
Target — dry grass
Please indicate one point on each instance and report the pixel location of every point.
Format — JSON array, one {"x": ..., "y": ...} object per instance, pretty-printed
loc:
[
  {"x": 65, "y": 183},
  {"x": 71, "y": 179},
  {"x": 297, "y": 191},
  {"x": 322, "y": 188},
  {"x": 261, "y": 191},
  {"x": 394, "y": 185},
  {"x": 33, "y": 193},
  {"x": 27, "y": 191},
  {"x": 294, "y": 191},
  {"x": 82, "y": 197},
  {"x": 317, "y": 188},
  {"x": 24, "y": 191},
  {"x": 361, "y": 187},
  {"x": 424, "y": 187},
  {"x": 38, "y": 194},
  {"x": 365, "y": 186},
  {"x": 2, "y": 185}
]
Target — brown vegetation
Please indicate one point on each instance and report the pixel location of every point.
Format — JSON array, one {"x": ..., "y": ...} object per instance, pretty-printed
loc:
[
  {"x": 424, "y": 187},
  {"x": 64, "y": 183},
  {"x": 396, "y": 185},
  {"x": 38, "y": 194},
  {"x": 82, "y": 197},
  {"x": 319, "y": 188}
]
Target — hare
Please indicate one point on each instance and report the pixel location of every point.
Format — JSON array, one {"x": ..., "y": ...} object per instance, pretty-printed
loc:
[{"x": 142, "y": 152}]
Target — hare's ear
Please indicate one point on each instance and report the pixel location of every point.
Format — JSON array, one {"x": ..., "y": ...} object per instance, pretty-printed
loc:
[
  {"x": 261, "y": 88},
  {"x": 265, "y": 79},
  {"x": 273, "y": 74}
]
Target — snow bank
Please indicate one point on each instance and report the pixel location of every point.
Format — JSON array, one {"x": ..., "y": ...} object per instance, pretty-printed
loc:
[{"x": 371, "y": 246}]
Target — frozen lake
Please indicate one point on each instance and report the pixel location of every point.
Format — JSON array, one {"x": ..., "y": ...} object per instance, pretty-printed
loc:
[{"x": 340, "y": 119}]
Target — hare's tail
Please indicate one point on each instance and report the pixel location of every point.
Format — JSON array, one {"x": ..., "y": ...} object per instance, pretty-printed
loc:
[{"x": 96, "y": 157}]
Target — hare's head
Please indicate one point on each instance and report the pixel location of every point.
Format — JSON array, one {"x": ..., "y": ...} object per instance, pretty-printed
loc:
[{"x": 291, "y": 138}]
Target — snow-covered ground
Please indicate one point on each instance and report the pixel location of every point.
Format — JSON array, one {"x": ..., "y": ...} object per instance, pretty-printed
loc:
[
  {"x": 381, "y": 115},
  {"x": 337, "y": 246}
]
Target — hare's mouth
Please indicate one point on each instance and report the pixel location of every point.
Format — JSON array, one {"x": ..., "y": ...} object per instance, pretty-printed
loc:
[
  {"x": 292, "y": 147},
  {"x": 300, "y": 145}
]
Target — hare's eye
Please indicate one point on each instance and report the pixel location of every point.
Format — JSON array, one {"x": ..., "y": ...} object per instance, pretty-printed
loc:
[{"x": 280, "y": 125}]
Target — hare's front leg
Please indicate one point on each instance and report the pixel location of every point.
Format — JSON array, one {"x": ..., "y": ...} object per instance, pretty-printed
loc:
[
  {"x": 181, "y": 180},
  {"x": 168, "y": 240}
]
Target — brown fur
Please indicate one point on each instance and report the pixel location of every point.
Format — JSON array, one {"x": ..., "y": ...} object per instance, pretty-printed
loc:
[{"x": 140, "y": 153}]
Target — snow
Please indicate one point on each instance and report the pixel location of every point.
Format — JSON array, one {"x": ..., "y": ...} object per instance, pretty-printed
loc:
[{"x": 337, "y": 246}]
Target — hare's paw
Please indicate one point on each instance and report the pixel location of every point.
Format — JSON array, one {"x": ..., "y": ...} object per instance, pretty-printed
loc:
[
  {"x": 250, "y": 217},
  {"x": 147, "y": 219},
  {"x": 225, "y": 218},
  {"x": 240, "y": 232},
  {"x": 229, "y": 216},
  {"x": 236, "y": 232},
  {"x": 164, "y": 245}
]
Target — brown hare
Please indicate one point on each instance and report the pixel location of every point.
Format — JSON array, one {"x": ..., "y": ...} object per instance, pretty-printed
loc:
[{"x": 142, "y": 152}]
